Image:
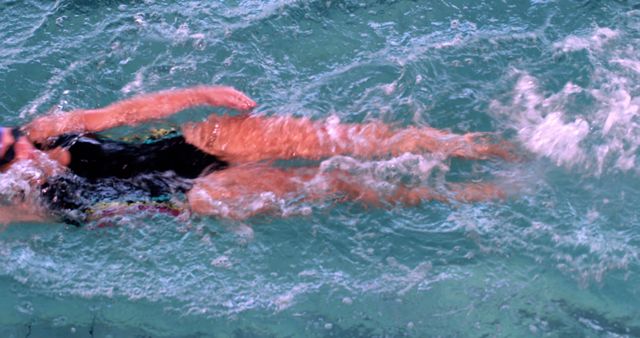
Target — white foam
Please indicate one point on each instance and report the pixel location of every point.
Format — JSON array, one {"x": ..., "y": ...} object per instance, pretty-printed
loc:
[
  {"x": 602, "y": 137},
  {"x": 17, "y": 182},
  {"x": 222, "y": 262},
  {"x": 134, "y": 85},
  {"x": 541, "y": 129},
  {"x": 556, "y": 139},
  {"x": 597, "y": 40},
  {"x": 183, "y": 32},
  {"x": 139, "y": 19},
  {"x": 629, "y": 64},
  {"x": 617, "y": 115},
  {"x": 286, "y": 299},
  {"x": 416, "y": 165}
]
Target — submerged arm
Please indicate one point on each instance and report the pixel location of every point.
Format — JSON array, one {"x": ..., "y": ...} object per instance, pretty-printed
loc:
[
  {"x": 136, "y": 110},
  {"x": 20, "y": 213}
]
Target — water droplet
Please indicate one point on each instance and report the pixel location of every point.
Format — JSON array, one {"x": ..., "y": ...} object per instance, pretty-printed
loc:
[
  {"x": 199, "y": 44},
  {"x": 59, "y": 321}
]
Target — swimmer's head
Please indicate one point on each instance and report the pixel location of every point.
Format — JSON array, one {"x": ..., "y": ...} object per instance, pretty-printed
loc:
[{"x": 8, "y": 139}]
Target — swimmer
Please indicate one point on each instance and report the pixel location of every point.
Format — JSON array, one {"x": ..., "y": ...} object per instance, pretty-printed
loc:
[{"x": 221, "y": 159}]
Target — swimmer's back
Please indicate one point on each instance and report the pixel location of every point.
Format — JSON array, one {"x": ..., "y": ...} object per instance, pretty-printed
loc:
[
  {"x": 109, "y": 171},
  {"x": 96, "y": 157}
]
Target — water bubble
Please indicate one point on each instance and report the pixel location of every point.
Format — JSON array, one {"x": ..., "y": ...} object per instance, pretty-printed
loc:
[
  {"x": 388, "y": 89},
  {"x": 139, "y": 19},
  {"x": 182, "y": 32},
  {"x": 199, "y": 44},
  {"x": 59, "y": 321},
  {"x": 25, "y": 307},
  {"x": 221, "y": 262},
  {"x": 227, "y": 62}
]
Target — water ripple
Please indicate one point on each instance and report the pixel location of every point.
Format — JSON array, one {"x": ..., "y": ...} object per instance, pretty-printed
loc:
[{"x": 558, "y": 257}]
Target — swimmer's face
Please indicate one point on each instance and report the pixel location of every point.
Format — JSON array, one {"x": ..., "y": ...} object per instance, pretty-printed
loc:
[
  {"x": 5, "y": 141},
  {"x": 15, "y": 149}
]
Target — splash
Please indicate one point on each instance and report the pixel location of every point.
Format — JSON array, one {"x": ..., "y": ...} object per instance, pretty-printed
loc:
[
  {"x": 541, "y": 128},
  {"x": 18, "y": 181},
  {"x": 603, "y": 134}
]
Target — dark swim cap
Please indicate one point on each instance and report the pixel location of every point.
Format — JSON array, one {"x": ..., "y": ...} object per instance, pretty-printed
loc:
[{"x": 10, "y": 154}]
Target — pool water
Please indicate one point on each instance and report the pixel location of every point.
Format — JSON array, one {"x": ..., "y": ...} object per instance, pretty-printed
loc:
[{"x": 560, "y": 257}]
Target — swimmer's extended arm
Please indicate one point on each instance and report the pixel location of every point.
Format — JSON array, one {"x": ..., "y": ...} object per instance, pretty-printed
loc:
[{"x": 136, "y": 110}]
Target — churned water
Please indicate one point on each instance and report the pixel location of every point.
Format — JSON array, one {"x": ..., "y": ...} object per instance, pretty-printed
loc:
[{"x": 559, "y": 258}]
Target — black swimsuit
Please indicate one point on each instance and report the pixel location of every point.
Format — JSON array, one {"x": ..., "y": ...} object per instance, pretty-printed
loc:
[{"x": 103, "y": 170}]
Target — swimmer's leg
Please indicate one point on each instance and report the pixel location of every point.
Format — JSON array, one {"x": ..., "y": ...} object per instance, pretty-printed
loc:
[
  {"x": 244, "y": 191},
  {"x": 475, "y": 192},
  {"x": 255, "y": 138}
]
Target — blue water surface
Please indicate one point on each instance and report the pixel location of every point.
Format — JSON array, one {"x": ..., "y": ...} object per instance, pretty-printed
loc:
[{"x": 560, "y": 257}]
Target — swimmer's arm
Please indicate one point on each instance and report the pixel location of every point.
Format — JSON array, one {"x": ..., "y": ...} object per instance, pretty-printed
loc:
[
  {"x": 136, "y": 110},
  {"x": 20, "y": 213}
]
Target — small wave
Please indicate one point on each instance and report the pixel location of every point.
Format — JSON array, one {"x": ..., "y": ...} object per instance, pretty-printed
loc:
[
  {"x": 598, "y": 39},
  {"x": 605, "y": 252}
]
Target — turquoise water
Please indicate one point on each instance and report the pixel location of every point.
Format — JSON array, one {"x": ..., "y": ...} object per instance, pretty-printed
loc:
[{"x": 559, "y": 258}]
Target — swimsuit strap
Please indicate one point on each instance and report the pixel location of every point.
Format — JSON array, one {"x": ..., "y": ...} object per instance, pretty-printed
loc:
[
  {"x": 64, "y": 141},
  {"x": 10, "y": 154}
]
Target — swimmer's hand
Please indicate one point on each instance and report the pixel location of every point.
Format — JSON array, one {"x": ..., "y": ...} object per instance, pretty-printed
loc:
[
  {"x": 227, "y": 97},
  {"x": 42, "y": 128}
]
